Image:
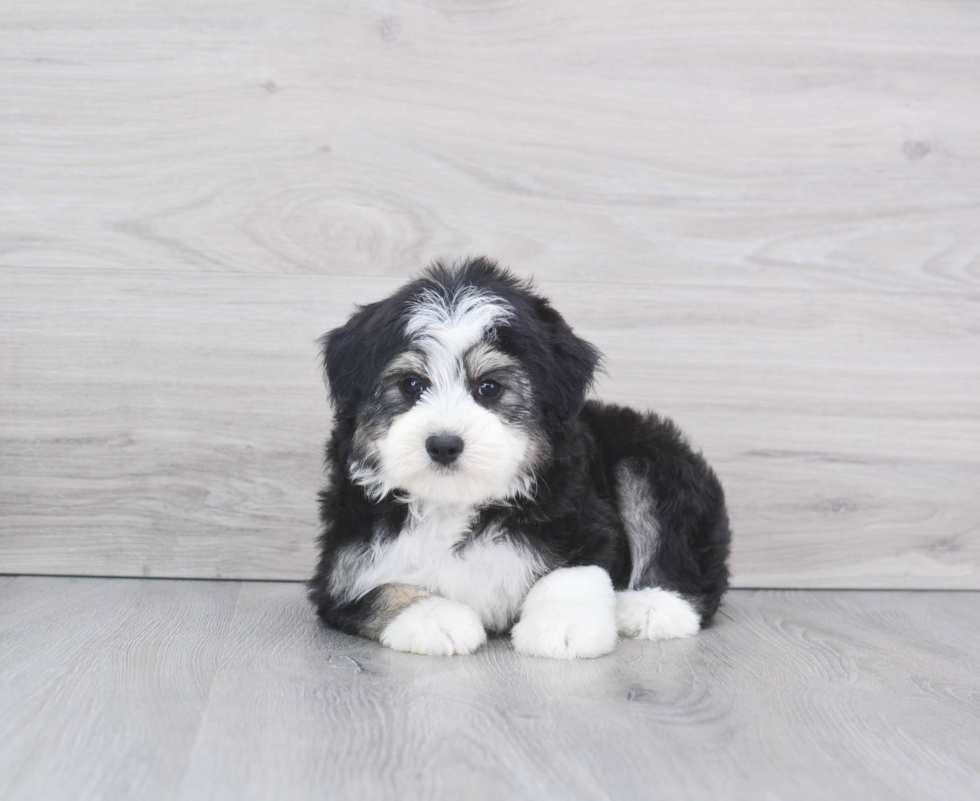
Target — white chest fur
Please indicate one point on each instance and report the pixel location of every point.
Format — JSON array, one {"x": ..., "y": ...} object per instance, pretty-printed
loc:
[{"x": 492, "y": 575}]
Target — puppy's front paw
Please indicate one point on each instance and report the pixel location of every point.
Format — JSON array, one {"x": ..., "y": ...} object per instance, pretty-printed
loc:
[
  {"x": 568, "y": 614},
  {"x": 435, "y": 626}
]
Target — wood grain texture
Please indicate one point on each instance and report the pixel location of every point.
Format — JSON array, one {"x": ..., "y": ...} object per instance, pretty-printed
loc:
[
  {"x": 103, "y": 683},
  {"x": 819, "y": 144},
  {"x": 154, "y": 689},
  {"x": 767, "y": 216},
  {"x": 154, "y": 427}
]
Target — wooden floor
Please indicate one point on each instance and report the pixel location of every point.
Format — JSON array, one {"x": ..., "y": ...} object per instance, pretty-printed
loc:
[{"x": 142, "y": 688}]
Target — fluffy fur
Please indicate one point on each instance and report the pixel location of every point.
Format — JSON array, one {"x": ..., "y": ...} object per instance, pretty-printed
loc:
[{"x": 472, "y": 486}]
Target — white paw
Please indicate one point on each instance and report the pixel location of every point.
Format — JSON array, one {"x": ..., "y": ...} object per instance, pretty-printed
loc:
[
  {"x": 655, "y": 614},
  {"x": 568, "y": 614},
  {"x": 435, "y": 626}
]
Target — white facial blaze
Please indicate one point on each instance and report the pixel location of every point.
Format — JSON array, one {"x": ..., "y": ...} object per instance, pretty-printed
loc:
[
  {"x": 492, "y": 457},
  {"x": 495, "y": 453},
  {"x": 456, "y": 323}
]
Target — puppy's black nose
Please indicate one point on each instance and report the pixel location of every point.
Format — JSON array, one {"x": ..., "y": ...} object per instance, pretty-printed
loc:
[{"x": 444, "y": 448}]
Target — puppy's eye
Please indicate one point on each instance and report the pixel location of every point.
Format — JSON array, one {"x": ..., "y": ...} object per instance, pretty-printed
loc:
[
  {"x": 489, "y": 389},
  {"x": 413, "y": 386}
]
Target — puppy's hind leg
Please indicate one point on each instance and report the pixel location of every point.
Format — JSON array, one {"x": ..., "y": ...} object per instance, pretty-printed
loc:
[
  {"x": 647, "y": 611},
  {"x": 655, "y": 614}
]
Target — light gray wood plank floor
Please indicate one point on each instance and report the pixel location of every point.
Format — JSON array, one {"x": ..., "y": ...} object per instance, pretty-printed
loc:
[{"x": 141, "y": 688}]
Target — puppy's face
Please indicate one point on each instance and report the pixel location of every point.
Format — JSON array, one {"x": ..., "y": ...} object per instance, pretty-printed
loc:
[
  {"x": 448, "y": 391},
  {"x": 451, "y": 419}
]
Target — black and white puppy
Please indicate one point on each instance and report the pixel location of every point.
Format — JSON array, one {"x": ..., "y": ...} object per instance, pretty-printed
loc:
[{"x": 473, "y": 489}]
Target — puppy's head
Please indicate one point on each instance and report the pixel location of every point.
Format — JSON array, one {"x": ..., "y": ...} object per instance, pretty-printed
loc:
[{"x": 455, "y": 389}]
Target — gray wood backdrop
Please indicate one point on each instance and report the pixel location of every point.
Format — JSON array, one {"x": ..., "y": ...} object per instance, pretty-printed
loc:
[{"x": 766, "y": 213}]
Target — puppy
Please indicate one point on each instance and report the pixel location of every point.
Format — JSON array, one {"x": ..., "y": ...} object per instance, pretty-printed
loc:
[{"x": 473, "y": 489}]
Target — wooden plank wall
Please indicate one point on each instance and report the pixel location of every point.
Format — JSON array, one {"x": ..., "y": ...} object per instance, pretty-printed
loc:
[{"x": 767, "y": 214}]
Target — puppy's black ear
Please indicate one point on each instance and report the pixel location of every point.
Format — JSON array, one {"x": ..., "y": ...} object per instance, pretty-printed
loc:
[
  {"x": 355, "y": 353},
  {"x": 340, "y": 366},
  {"x": 573, "y": 365}
]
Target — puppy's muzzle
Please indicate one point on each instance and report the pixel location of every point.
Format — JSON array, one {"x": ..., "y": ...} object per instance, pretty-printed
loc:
[{"x": 444, "y": 448}]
